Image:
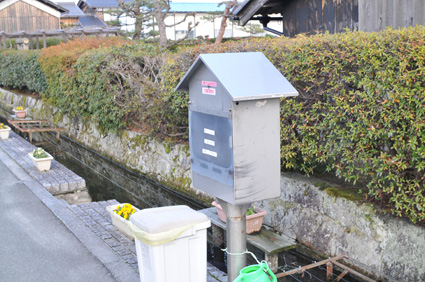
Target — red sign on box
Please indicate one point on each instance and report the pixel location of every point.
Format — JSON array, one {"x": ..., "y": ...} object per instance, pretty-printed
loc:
[
  {"x": 209, "y": 83},
  {"x": 208, "y": 91}
]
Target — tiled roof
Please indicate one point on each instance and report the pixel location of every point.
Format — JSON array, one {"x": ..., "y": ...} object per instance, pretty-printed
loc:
[
  {"x": 91, "y": 21},
  {"x": 196, "y": 7},
  {"x": 73, "y": 10}
]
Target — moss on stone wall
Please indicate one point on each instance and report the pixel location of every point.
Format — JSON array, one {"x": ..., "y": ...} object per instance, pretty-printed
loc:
[
  {"x": 351, "y": 194},
  {"x": 346, "y": 193}
]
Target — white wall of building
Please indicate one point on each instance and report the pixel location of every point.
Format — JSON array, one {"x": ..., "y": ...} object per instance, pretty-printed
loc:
[
  {"x": 208, "y": 28},
  {"x": 205, "y": 28}
]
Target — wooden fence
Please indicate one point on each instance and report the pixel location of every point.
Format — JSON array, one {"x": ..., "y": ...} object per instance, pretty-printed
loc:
[{"x": 65, "y": 34}]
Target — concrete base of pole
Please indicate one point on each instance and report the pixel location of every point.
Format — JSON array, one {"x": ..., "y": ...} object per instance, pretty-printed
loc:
[{"x": 236, "y": 237}]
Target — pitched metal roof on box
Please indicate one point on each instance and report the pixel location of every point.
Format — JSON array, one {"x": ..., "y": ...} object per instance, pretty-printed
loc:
[
  {"x": 196, "y": 7},
  {"x": 73, "y": 10},
  {"x": 91, "y": 21},
  {"x": 246, "y": 76}
]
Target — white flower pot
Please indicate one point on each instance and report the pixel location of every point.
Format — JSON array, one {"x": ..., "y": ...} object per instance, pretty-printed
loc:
[
  {"x": 20, "y": 114},
  {"x": 42, "y": 164},
  {"x": 4, "y": 133},
  {"x": 123, "y": 225}
]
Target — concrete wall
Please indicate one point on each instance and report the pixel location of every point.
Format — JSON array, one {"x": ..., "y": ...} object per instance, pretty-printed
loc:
[{"x": 310, "y": 210}]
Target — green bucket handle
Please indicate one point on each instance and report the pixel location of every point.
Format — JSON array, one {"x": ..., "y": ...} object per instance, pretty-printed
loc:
[{"x": 267, "y": 269}]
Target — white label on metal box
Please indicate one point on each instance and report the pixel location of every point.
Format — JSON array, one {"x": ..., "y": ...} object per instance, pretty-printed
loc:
[
  {"x": 209, "y": 142},
  {"x": 208, "y": 91},
  {"x": 209, "y": 131},
  {"x": 210, "y": 153}
]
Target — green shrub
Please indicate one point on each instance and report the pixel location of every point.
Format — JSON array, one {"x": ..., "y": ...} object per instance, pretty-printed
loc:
[
  {"x": 69, "y": 79},
  {"x": 360, "y": 112},
  {"x": 20, "y": 69},
  {"x": 359, "y": 115}
]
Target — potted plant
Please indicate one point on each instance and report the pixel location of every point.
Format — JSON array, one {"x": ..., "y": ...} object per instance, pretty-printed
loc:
[
  {"x": 41, "y": 159},
  {"x": 254, "y": 217},
  {"x": 20, "y": 112},
  {"x": 4, "y": 131},
  {"x": 120, "y": 215}
]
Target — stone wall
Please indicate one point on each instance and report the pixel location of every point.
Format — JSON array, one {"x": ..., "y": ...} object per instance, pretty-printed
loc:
[
  {"x": 165, "y": 162},
  {"x": 313, "y": 212},
  {"x": 309, "y": 210}
]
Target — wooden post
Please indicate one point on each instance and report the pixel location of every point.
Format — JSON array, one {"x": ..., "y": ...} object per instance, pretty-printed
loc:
[
  {"x": 4, "y": 41},
  {"x": 64, "y": 36},
  {"x": 44, "y": 40},
  {"x": 30, "y": 42},
  {"x": 37, "y": 43},
  {"x": 329, "y": 271}
]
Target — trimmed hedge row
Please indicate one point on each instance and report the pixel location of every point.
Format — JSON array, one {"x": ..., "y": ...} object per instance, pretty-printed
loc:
[
  {"x": 360, "y": 112},
  {"x": 20, "y": 69}
]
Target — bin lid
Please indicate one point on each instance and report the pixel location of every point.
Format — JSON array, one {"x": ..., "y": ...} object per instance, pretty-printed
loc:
[{"x": 163, "y": 219}]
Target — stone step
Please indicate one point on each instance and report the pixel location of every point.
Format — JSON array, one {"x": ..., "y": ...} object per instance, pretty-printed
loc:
[{"x": 59, "y": 180}]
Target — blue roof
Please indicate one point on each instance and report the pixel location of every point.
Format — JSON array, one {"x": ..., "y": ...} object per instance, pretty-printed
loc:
[
  {"x": 91, "y": 21},
  {"x": 73, "y": 10},
  {"x": 246, "y": 76},
  {"x": 196, "y": 7}
]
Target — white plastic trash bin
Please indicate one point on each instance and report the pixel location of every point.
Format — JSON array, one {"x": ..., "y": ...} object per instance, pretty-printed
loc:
[{"x": 171, "y": 244}]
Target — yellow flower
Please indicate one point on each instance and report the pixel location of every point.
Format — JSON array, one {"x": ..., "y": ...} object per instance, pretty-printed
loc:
[{"x": 125, "y": 211}]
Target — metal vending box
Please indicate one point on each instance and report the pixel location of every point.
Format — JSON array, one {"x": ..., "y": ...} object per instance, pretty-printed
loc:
[{"x": 234, "y": 125}]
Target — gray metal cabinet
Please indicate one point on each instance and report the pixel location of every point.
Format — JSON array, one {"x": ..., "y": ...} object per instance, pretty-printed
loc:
[{"x": 234, "y": 125}]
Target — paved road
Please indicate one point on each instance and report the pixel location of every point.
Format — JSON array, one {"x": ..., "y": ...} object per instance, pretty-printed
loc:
[{"x": 35, "y": 245}]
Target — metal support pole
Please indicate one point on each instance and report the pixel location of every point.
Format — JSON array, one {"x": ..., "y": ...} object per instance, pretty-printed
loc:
[{"x": 236, "y": 237}]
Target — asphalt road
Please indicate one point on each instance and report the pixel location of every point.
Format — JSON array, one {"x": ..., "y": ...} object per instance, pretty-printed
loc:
[{"x": 35, "y": 245}]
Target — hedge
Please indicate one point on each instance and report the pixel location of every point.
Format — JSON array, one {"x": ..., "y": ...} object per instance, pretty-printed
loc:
[
  {"x": 359, "y": 115},
  {"x": 20, "y": 70}
]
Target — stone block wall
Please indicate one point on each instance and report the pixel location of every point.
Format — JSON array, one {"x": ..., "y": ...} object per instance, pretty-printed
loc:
[
  {"x": 164, "y": 162},
  {"x": 308, "y": 210}
]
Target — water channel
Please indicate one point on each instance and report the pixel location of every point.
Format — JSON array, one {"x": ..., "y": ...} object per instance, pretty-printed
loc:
[{"x": 107, "y": 180}]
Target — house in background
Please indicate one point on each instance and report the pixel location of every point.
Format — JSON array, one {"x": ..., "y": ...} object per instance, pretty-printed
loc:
[
  {"x": 312, "y": 16},
  {"x": 107, "y": 11},
  {"x": 71, "y": 17},
  {"x": 208, "y": 15},
  {"x": 76, "y": 18},
  {"x": 91, "y": 22},
  {"x": 100, "y": 8},
  {"x": 29, "y": 15},
  {"x": 203, "y": 11}
]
